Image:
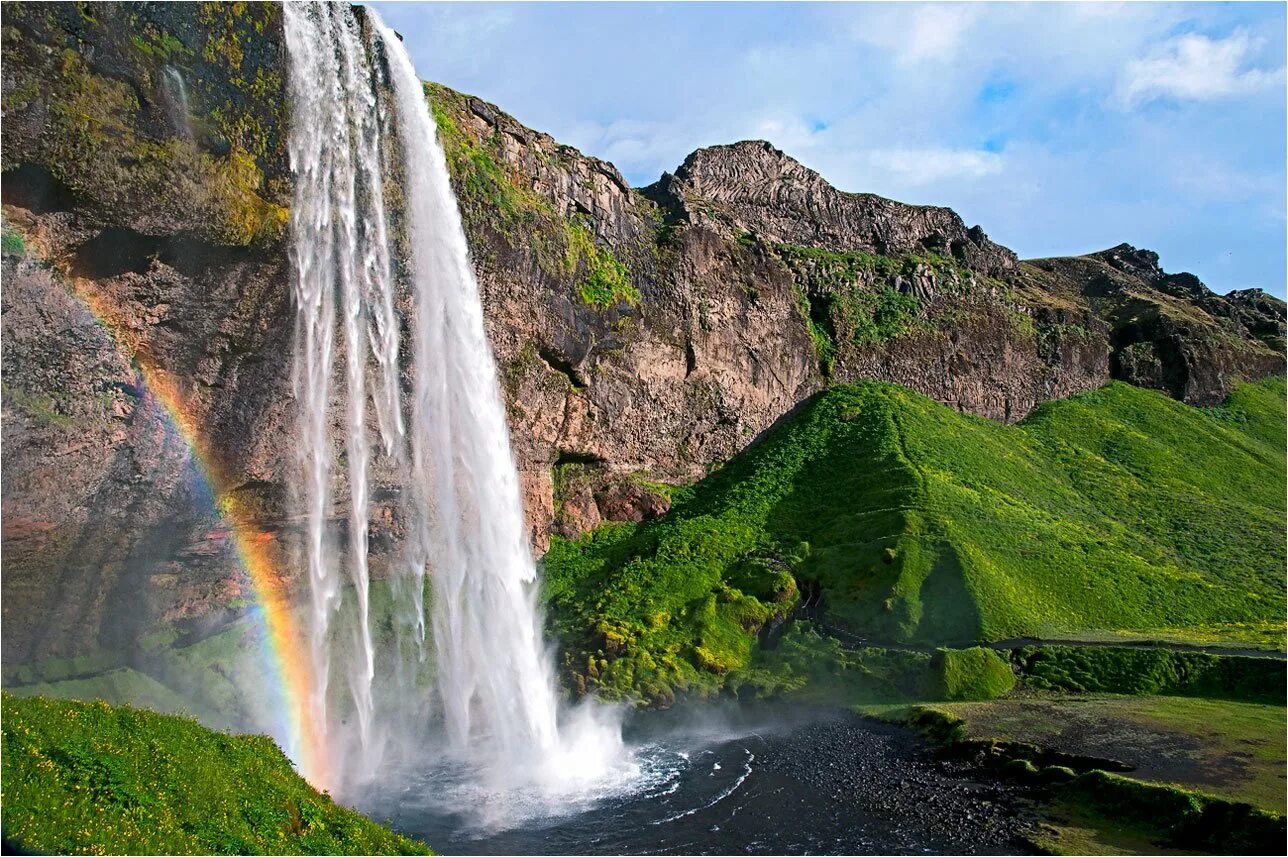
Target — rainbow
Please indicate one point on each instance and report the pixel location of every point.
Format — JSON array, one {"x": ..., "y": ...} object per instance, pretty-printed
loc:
[{"x": 287, "y": 654}]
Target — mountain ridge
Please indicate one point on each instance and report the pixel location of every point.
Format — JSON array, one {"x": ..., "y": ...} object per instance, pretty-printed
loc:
[{"x": 636, "y": 349}]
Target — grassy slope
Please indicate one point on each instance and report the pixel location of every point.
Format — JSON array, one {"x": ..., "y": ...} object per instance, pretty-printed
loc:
[
  {"x": 1118, "y": 513},
  {"x": 90, "y": 778}
]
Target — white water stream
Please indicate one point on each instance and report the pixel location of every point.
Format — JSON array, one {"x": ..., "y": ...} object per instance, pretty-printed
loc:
[{"x": 445, "y": 437}]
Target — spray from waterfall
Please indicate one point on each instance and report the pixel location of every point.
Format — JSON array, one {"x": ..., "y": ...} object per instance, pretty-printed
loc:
[{"x": 444, "y": 443}]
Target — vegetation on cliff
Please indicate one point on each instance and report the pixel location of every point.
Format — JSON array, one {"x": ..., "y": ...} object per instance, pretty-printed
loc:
[
  {"x": 90, "y": 778},
  {"x": 134, "y": 118},
  {"x": 494, "y": 198},
  {"x": 1119, "y": 514}
]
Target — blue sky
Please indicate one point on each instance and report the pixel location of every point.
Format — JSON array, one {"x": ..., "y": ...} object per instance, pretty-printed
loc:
[{"x": 1059, "y": 128}]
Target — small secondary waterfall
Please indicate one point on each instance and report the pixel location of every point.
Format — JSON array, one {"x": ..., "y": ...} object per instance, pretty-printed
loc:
[{"x": 355, "y": 100}]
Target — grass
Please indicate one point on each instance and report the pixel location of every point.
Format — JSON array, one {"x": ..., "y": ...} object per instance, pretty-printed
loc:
[
  {"x": 1088, "y": 810},
  {"x": 91, "y": 778},
  {"x": 971, "y": 674},
  {"x": 1070, "y": 828},
  {"x": 1234, "y": 750},
  {"x": 114, "y": 685},
  {"x": 1120, "y": 513},
  {"x": 819, "y": 670},
  {"x": 1179, "y": 817},
  {"x": 1151, "y": 671}
]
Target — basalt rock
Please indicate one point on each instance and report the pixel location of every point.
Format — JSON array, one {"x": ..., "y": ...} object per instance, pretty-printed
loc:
[
  {"x": 1169, "y": 331},
  {"x": 641, "y": 336},
  {"x": 752, "y": 187}
]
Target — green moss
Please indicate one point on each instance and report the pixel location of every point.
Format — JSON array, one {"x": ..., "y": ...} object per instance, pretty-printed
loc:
[
  {"x": 40, "y": 407},
  {"x": 567, "y": 479},
  {"x": 971, "y": 674},
  {"x": 817, "y": 669},
  {"x": 848, "y": 299},
  {"x": 1020, "y": 769},
  {"x": 482, "y": 184},
  {"x": 1151, "y": 671},
  {"x": 11, "y": 243},
  {"x": 496, "y": 200},
  {"x": 602, "y": 281},
  {"x": 96, "y": 141},
  {"x": 157, "y": 45},
  {"x": 817, "y": 313},
  {"x": 87, "y": 777},
  {"x": 665, "y": 489},
  {"x": 883, "y": 315}
]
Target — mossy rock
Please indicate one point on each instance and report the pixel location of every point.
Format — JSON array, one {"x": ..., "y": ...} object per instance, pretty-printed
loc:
[
  {"x": 92, "y": 100},
  {"x": 970, "y": 674}
]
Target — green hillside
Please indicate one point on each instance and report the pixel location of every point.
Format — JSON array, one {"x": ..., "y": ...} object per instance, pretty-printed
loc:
[
  {"x": 1119, "y": 514},
  {"x": 90, "y": 778}
]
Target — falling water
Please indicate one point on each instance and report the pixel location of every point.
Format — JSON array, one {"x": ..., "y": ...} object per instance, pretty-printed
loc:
[
  {"x": 445, "y": 439},
  {"x": 174, "y": 93},
  {"x": 340, "y": 246},
  {"x": 495, "y": 679}
]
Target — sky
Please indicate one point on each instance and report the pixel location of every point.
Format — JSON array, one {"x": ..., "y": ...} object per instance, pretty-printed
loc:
[{"x": 1059, "y": 128}]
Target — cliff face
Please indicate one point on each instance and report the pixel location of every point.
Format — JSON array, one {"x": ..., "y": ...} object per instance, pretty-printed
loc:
[
  {"x": 642, "y": 336},
  {"x": 145, "y": 193}
]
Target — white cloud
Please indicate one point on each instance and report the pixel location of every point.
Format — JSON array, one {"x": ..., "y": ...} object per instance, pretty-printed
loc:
[
  {"x": 913, "y": 32},
  {"x": 888, "y": 98},
  {"x": 1209, "y": 180},
  {"x": 936, "y": 32},
  {"x": 1196, "y": 68},
  {"x": 911, "y": 167}
]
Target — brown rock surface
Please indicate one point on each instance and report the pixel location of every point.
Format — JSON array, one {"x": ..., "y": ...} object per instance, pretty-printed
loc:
[{"x": 641, "y": 336}]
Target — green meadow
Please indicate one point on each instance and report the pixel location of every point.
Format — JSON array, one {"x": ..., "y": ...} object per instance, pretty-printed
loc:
[{"x": 1119, "y": 514}]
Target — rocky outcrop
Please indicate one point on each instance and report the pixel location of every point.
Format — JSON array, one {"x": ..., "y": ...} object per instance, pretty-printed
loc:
[
  {"x": 146, "y": 299},
  {"x": 752, "y": 187},
  {"x": 1169, "y": 331},
  {"x": 641, "y": 336}
]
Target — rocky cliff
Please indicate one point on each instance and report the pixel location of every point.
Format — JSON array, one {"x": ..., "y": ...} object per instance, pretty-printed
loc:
[{"x": 642, "y": 335}]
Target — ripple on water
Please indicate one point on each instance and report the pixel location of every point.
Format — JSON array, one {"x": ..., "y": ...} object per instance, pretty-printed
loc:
[{"x": 836, "y": 785}]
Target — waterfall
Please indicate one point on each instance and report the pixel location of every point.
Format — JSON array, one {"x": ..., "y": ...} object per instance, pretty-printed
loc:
[
  {"x": 341, "y": 255},
  {"x": 356, "y": 98},
  {"x": 174, "y": 93},
  {"x": 494, "y": 675}
]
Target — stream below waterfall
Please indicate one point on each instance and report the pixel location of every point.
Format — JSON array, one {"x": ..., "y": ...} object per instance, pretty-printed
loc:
[{"x": 776, "y": 781}]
